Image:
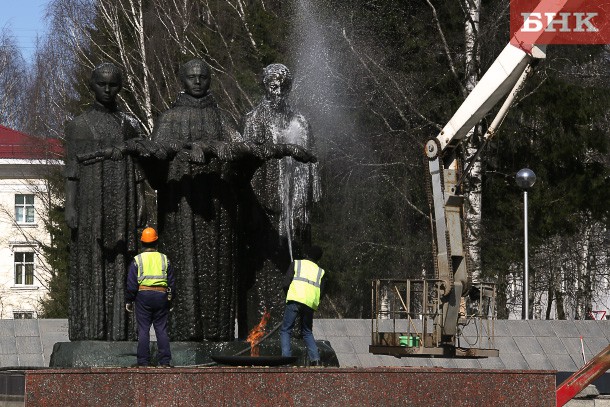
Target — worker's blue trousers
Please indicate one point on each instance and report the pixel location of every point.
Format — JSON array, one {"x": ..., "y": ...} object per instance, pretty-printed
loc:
[
  {"x": 291, "y": 312},
  {"x": 152, "y": 308}
]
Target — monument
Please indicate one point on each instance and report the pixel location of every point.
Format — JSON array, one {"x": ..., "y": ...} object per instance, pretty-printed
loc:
[{"x": 200, "y": 167}]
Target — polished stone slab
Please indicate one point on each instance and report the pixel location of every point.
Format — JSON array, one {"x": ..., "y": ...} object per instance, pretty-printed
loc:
[
  {"x": 293, "y": 386},
  {"x": 185, "y": 354}
]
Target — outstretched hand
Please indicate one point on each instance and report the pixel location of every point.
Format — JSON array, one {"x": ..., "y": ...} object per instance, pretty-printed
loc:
[
  {"x": 239, "y": 150},
  {"x": 145, "y": 148},
  {"x": 300, "y": 153}
]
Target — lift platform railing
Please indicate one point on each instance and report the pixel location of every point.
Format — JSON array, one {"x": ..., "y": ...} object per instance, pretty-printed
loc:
[{"x": 408, "y": 318}]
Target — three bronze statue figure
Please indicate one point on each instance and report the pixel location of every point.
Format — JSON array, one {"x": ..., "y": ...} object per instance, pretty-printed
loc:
[{"x": 231, "y": 207}]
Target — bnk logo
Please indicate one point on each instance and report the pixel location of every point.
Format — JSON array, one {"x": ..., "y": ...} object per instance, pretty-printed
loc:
[{"x": 559, "y": 22}]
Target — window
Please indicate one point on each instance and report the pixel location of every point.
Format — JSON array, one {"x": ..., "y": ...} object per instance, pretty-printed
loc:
[
  {"x": 24, "y": 208},
  {"x": 24, "y": 268},
  {"x": 23, "y": 315}
]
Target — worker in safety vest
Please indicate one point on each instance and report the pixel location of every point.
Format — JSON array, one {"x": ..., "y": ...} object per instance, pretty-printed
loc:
[
  {"x": 303, "y": 284},
  {"x": 150, "y": 283}
]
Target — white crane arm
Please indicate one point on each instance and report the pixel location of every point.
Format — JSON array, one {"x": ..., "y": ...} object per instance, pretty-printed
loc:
[
  {"x": 499, "y": 79},
  {"x": 495, "y": 84}
]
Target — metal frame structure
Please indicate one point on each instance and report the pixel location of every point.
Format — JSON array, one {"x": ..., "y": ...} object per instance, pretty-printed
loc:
[{"x": 404, "y": 309}]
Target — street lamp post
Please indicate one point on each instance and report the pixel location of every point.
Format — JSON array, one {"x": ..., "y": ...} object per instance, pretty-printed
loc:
[{"x": 525, "y": 180}]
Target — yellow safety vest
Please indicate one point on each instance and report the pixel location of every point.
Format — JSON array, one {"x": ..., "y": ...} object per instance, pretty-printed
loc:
[
  {"x": 305, "y": 286},
  {"x": 152, "y": 269}
]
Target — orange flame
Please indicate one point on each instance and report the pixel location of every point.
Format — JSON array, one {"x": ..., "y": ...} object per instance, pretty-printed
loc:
[{"x": 256, "y": 333}]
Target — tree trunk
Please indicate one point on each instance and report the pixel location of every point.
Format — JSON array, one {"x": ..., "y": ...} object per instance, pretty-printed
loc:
[
  {"x": 474, "y": 202},
  {"x": 583, "y": 302},
  {"x": 549, "y": 304},
  {"x": 561, "y": 313}
]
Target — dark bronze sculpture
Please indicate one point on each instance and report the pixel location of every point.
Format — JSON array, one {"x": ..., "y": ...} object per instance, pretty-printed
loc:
[
  {"x": 277, "y": 216},
  {"x": 200, "y": 167},
  {"x": 197, "y": 209},
  {"x": 104, "y": 206}
]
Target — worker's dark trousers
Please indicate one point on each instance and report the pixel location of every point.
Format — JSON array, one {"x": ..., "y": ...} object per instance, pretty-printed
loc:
[
  {"x": 291, "y": 312},
  {"x": 152, "y": 308}
]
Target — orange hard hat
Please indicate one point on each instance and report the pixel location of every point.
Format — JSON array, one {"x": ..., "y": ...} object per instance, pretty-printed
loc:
[{"x": 149, "y": 235}]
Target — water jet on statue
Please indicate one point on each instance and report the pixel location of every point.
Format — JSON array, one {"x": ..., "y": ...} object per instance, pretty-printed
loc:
[{"x": 280, "y": 201}]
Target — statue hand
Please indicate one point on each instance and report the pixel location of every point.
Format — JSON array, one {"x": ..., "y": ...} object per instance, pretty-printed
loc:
[
  {"x": 223, "y": 151},
  {"x": 256, "y": 151},
  {"x": 300, "y": 153},
  {"x": 173, "y": 147},
  {"x": 71, "y": 219},
  {"x": 142, "y": 147},
  {"x": 162, "y": 151},
  {"x": 132, "y": 146},
  {"x": 113, "y": 153},
  {"x": 197, "y": 155},
  {"x": 240, "y": 150},
  {"x": 267, "y": 151}
]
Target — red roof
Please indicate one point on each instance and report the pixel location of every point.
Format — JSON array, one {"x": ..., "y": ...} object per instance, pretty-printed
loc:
[{"x": 15, "y": 144}]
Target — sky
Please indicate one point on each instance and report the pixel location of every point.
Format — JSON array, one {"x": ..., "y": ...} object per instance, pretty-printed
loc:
[{"x": 26, "y": 20}]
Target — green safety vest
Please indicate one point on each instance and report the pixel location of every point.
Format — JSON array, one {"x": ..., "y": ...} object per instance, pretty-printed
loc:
[
  {"x": 152, "y": 269},
  {"x": 305, "y": 286}
]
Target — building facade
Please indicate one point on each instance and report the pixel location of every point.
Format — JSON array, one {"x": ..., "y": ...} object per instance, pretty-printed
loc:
[{"x": 25, "y": 163}]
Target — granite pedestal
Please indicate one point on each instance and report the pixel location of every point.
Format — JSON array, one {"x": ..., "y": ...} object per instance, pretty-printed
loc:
[{"x": 288, "y": 386}]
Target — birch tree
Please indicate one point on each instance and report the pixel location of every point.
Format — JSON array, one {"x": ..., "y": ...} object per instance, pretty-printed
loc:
[
  {"x": 474, "y": 193},
  {"x": 574, "y": 273},
  {"x": 13, "y": 74},
  {"x": 49, "y": 90}
]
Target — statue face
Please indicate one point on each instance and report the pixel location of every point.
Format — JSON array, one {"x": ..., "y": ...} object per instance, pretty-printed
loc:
[
  {"x": 273, "y": 89},
  {"x": 196, "y": 81},
  {"x": 106, "y": 86}
]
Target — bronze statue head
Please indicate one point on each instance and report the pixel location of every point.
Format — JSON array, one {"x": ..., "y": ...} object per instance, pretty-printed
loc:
[
  {"x": 277, "y": 81},
  {"x": 195, "y": 77},
  {"x": 106, "y": 81}
]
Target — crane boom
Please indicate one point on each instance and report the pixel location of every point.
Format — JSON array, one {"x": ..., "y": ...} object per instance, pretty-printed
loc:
[
  {"x": 500, "y": 78},
  {"x": 497, "y": 82}
]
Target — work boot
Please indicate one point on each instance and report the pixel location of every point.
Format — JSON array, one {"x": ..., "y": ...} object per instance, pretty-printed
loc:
[{"x": 316, "y": 363}]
